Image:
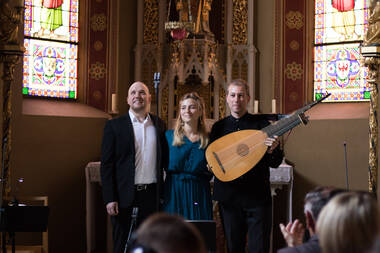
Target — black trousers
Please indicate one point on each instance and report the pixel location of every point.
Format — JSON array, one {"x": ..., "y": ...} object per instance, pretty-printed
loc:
[
  {"x": 145, "y": 200},
  {"x": 238, "y": 222}
]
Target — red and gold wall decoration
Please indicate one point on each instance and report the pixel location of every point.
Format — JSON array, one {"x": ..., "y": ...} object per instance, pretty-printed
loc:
[
  {"x": 293, "y": 66},
  {"x": 97, "y": 54}
]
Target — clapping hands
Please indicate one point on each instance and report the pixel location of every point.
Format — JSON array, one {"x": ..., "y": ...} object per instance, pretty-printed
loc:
[{"x": 293, "y": 233}]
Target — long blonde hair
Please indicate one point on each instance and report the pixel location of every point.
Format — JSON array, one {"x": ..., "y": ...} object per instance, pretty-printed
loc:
[{"x": 178, "y": 130}]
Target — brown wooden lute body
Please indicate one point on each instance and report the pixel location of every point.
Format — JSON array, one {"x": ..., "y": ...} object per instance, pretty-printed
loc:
[{"x": 234, "y": 154}]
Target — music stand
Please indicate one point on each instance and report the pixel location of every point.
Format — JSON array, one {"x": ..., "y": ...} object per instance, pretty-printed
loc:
[{"x": 22, "y": 219}]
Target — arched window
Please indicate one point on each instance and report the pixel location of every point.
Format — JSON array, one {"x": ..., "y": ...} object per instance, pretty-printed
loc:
[
  {"x": 51, "y": 48},
  {"x": 339, "y": 29}
]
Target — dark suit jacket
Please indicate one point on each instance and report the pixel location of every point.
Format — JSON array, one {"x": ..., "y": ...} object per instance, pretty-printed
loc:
[
  {"x": 118, "y": 159},
  {"x": 311, "y": 246},
  {"x": 253, "y": 188}
]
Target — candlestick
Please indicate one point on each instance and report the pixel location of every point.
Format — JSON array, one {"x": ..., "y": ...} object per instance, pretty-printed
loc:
[
  {"x": 256, "y": 106},
  {"x": 273, "y": 105},
  {"x": 114, "y": 106}
]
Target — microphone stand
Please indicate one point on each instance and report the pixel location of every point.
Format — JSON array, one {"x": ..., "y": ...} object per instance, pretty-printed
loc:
[
  {"x": 345, "y": 160},
  {"x": 156, "y": 80},
  {"x": 131, "y": 228}
]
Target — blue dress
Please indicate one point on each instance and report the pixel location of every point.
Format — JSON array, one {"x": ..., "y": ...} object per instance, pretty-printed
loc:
[{"x": 187, "y": 184}]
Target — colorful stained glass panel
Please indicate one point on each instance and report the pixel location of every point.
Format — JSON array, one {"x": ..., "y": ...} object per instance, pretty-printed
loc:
[
  {"x": 337, "y": 71},
  {"x": 339, "y": 27},
  {"x": 50, "y": 69},
  {"x": 51, "y": 19},
  {"x": 340, "y": 20}
]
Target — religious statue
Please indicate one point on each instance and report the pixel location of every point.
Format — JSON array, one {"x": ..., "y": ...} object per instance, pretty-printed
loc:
[
  {"x": 196, "y": 12},
  {"x": 372, "y": 37},
  {"x": 205, "y": 15},
  {"x": 184, "y": 11},
  {"x": 10, "y": 19}
]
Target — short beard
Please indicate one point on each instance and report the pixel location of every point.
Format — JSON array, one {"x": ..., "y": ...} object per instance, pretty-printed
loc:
[{"x": 144, "y": 109}]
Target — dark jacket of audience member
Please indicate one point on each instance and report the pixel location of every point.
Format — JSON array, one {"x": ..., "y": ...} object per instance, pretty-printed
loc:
[{"x": 314, "y": 202}]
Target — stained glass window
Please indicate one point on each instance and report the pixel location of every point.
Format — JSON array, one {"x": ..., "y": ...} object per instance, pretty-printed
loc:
[
  {"x": 51, "y": 48},
  {"x": 339, "y": 29}
]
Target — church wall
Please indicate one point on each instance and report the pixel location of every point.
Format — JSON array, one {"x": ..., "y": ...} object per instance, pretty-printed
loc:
[
  {"x": 50, "y": 153},
  {"x": 317, "y": 153}
]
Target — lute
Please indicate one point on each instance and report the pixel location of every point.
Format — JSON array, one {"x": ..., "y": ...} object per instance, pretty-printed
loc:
[{"x": 234, "y": 154}]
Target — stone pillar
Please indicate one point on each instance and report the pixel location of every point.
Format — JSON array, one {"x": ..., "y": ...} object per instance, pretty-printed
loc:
[
  {"x": 372, "y": 62},
  {"x": 11, "y": 52},
  {"x": 371, "y": 59}
]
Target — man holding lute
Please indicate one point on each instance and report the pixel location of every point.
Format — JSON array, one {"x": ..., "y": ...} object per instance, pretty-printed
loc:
[{"x": 243, "y": 194}]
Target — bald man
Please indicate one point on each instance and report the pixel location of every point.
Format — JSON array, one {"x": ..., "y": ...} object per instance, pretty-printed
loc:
[{"x": 134, "y": 153}]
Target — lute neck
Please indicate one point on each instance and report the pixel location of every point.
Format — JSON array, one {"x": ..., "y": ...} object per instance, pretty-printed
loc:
[{"x": 282, "y": 126}]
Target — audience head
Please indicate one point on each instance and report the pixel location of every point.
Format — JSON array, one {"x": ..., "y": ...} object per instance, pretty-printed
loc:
[
  {"x": 315, "y": 200},
  {"x": 191, "y": 109},
  {"x": 349, "y": 223},
  {"x": 164, "y": 233}
]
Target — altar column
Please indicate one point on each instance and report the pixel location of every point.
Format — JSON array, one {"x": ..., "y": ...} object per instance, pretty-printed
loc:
[
  {"x": 371, "y": 59},
  {"x": 11, "y": 52}
]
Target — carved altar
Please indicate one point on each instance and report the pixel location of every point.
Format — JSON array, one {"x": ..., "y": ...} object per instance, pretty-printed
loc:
[{"x": 193, "y": 59}]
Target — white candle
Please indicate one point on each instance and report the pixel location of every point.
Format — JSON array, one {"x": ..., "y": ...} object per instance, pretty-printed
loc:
[
  {"x": 256, "y": 106},
  {"x": 19, "y": 3},
  {"x": 114, "y": 103},
  {"x": 273, "y": 105}
]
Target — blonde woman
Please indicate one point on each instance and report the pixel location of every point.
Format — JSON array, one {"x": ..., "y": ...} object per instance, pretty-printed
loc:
[
  {"x": 349, "y": 223},
  {"x": 187, "y": 183}
]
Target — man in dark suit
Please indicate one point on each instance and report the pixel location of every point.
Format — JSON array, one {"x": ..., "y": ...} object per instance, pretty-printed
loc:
[
  {"x": 134, "y": 153},
  {"x": 246, "y": 203},
  {"x": 294, "y": 232}
]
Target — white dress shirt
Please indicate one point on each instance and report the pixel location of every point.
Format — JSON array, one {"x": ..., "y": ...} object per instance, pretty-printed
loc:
[{"x": 145, "y": 150}]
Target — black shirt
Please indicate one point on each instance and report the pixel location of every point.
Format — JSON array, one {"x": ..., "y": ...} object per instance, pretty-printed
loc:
[{"x": 253, "y": 188}]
